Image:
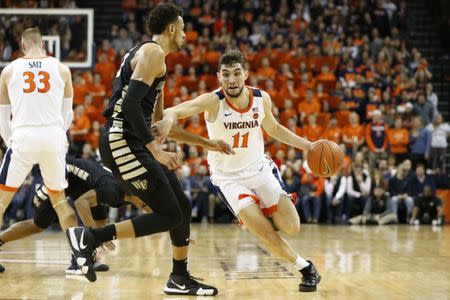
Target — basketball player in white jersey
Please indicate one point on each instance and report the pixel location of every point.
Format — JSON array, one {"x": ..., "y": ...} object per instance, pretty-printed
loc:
[
  {"x": 35, "y": 112},
  {"x": 248, "y": 181}
]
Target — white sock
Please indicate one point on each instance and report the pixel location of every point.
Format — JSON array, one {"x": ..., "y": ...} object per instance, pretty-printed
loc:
[{"x": 300, "y": 263}]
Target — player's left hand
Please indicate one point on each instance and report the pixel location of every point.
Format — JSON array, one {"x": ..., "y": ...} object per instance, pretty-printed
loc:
[
  {"x": 219, "y": 146},
  {"x": 109, "y": 245},
  {"x": 160, "y": 130}
]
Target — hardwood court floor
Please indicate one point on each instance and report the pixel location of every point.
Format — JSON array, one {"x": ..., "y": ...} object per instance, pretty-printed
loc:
[{"x": 392, "y": 262}]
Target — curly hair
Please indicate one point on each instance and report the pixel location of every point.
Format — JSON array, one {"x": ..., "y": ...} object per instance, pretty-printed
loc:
[
  {"x": 161, "y": 16},
  {"x": 233, "y": 57}
]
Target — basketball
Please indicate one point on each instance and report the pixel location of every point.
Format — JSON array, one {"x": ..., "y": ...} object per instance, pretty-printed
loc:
[{"x": 325, "y": 158}]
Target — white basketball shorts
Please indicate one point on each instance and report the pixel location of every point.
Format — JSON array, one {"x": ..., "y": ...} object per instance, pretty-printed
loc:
[
  {"x": 46, "y": 146},
  {"x": 260, "y": 184}
]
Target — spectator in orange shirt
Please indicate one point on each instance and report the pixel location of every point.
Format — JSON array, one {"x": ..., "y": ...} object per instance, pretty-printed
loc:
[
  {"x": 312, "y": 131},
  {"x": 288, "y": 112},
  {"x": 289, "y": 91},
  {"x": 171, "y": 90},
  {"x": 274, "y": 93},
  {"x": 305, "y": 84},
  {"x": 106, "y": 49},
  {"x": 309, "y": 106},
  {"x": 353, "y": 136},
  {"x": 91, "y": 110},
  {"x": 194, "y": 126},
  {"x": 97, "y": 90},
  {"x": 265, "y": 71},
  {"x": 80, "y": 127},
  {"x": 80, "y": 90},
  {"x": 342, "y": 115},
  {"x": 94, "y": 135},
  {"x": 106, "y": 69},
  {"x": 191, "y": 34},
  {"x": 311, "y": 190},
  {"x": 398, "y": 138},
  {"x": 326, "y": 74},
  {"x": 286, "y": 74},
  {"x": 333, "y": 132}
]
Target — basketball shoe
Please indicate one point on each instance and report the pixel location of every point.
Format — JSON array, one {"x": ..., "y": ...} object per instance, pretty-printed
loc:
[
  {"x": 188, "y": 285},
  {"x": 311, "y": 278},
  {"x": 83, "y": 244},
  {"x": 2, "y": 269},
  {"x": 73, "y": 269}
]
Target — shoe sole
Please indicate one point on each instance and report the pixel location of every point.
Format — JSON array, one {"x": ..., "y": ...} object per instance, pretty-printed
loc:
[
  {"x": 171, "y": 291},
  {"x": 101, "y": 268},
  {"x": 310, "y": 289}
]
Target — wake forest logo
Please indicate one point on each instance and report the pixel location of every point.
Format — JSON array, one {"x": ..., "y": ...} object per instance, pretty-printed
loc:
[
  {"x": 241, "y": 125},
  {"x": 140, "y": 184}
]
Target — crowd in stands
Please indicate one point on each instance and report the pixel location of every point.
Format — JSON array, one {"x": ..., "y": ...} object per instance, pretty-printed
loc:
[
  {"x": 71, "y": 29},
  {"x": 340, "y": 70}
]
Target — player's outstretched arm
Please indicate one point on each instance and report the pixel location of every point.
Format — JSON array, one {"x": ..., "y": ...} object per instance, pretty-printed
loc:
[
  {"x": 204, "y": 103},
  {"x": 278, "y": 131},
  {"x": 183, "y": 136},
  {"x": 5, "y": 107}
]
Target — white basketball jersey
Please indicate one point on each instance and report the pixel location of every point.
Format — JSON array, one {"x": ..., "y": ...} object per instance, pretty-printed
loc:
[
  {"x": 36, "y": 91},
  {"x": 241, "y": 129}
]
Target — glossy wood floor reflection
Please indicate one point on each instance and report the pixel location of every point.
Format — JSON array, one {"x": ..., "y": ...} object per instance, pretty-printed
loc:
[{"x": 392, "y": 262}]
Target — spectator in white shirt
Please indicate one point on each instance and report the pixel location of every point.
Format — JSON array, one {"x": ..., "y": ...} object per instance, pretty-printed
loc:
[
  {"x": 439, "y": 132},
  {"x": 432, "y": 97}
]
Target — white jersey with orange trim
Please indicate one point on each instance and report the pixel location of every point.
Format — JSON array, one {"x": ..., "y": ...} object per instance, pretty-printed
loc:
[
  {"x": 241, "y": 128},
  {"x": 36, "y": 91}
]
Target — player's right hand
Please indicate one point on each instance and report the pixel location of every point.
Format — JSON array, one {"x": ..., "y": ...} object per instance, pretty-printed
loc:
[{"x": 169, "y": 159}]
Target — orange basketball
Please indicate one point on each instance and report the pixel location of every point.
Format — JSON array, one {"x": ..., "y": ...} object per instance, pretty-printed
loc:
[{"x": 325, "y": 158}]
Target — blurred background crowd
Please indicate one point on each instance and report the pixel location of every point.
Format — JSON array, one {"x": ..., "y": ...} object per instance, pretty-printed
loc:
[{"x": 342, "y": 70}]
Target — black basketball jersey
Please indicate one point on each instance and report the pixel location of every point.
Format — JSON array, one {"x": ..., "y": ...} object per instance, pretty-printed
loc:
[
  {"x": 113, "y": 112},
  {"x": 83, "y": 175}
]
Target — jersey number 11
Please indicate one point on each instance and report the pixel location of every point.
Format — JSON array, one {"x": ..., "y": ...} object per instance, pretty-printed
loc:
[{"x": 236, "y": 139}]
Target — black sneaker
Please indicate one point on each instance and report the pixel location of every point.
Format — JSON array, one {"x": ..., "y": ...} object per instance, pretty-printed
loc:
[
  {"x": 73, "y": 269},
  {"x": 100, "y": 267},
  {"x": 188, "y": 285},
  {"x": 83, "y": 244},
  {"x": 310, "y": 280},
  {"x": 2, "y": 269}
]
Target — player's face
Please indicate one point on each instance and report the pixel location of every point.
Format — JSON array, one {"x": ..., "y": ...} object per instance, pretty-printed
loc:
[
  {"x": 178, "y": 38},
  {"x": 232, "y": 78}
]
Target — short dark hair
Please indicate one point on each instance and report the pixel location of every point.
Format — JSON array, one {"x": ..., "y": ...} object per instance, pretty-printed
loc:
[
  {"x": 161, "y": 16},
  {"x": 233, "y": 57}
]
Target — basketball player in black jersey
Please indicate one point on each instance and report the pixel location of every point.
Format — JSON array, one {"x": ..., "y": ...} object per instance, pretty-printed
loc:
[
  {"x": 92, "y": 189},
  {"x": 129, "y": 150}
]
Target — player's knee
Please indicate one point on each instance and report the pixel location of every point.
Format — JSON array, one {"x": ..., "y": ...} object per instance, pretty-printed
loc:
[{"x": 176, "y": 217}]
